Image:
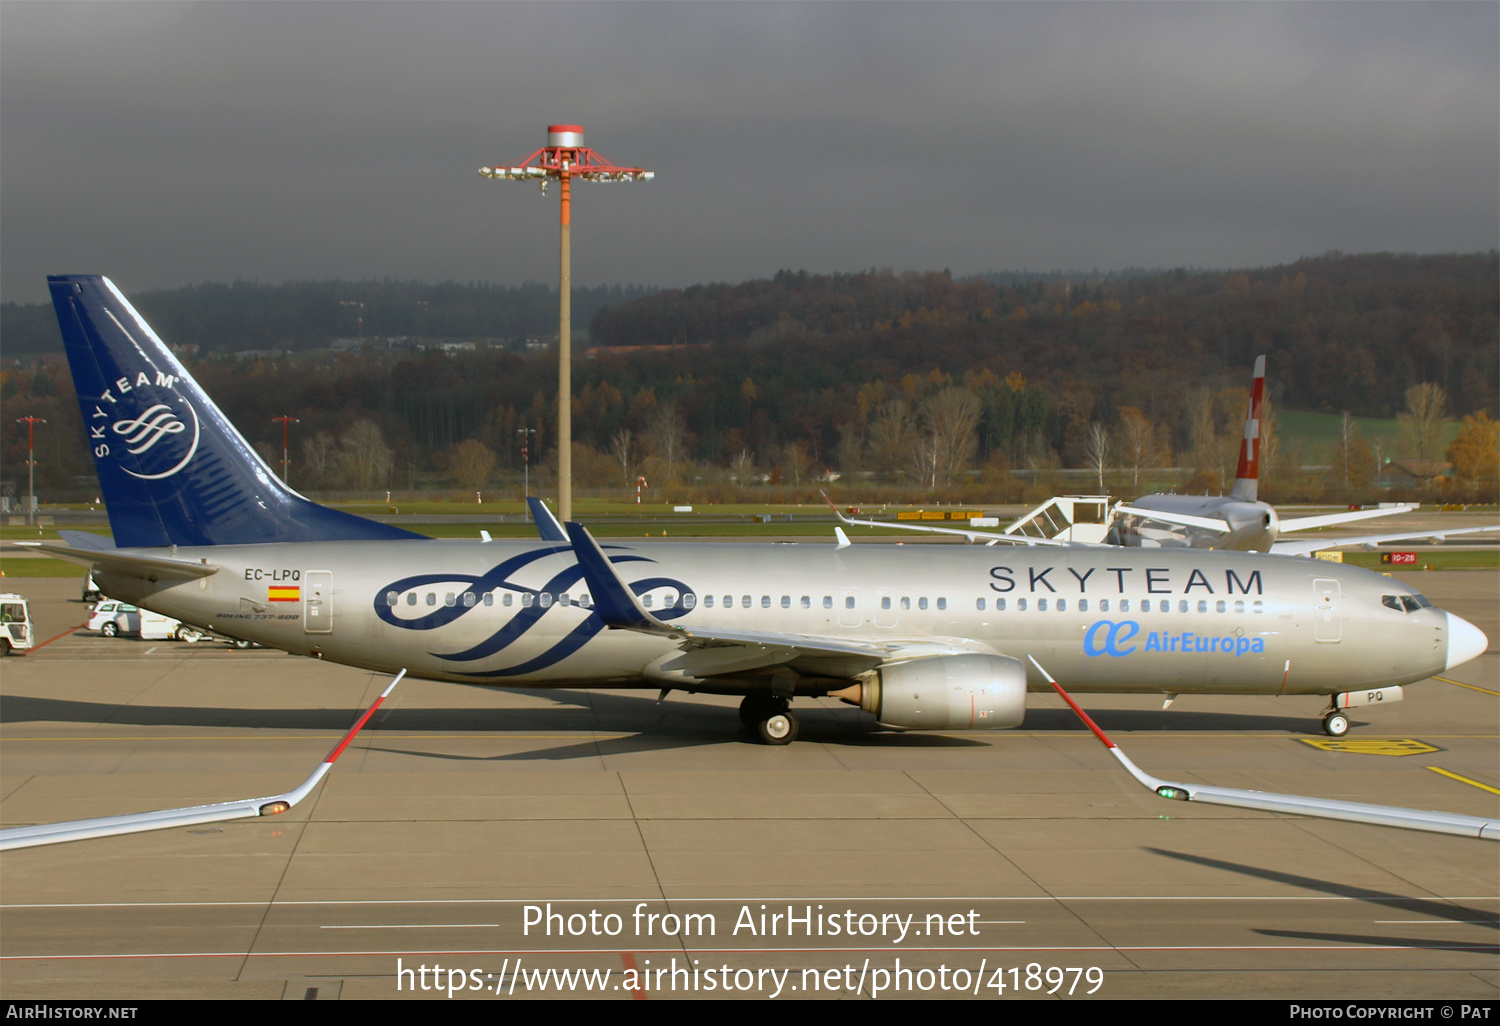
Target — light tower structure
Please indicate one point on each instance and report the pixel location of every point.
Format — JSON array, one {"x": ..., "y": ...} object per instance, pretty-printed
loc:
[{"x": 565, "y": 158}]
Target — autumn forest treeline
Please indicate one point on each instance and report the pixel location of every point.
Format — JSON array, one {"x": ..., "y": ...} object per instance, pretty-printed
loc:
[{"x": 922, "y": 383}]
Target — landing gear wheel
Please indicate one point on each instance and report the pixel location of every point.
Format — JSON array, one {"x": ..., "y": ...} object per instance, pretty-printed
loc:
[
  {"x": 1335, "y": 724},
  {"x": 110, "y": 629},
  {"x": 238, "y": 643},
  {"x": 780, "y": 728}
]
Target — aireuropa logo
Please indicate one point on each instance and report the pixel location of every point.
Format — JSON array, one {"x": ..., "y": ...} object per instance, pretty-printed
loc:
[
  {"x": 1116, "y": 638},
  {"x": 157, "y": 437}
]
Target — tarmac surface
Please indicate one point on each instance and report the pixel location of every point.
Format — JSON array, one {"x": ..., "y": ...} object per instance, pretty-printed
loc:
[{"x": 988, "y": 865}]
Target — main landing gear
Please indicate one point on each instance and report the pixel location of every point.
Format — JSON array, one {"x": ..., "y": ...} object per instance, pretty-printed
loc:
[{"x": 770, "y": 716}]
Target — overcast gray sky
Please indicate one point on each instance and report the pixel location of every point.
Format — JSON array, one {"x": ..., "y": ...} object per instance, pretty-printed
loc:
[{"x": 168, "y": 143}]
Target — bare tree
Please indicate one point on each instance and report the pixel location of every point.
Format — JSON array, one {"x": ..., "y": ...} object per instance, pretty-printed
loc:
[
  {"x": 1422, "y": 424},
  {"x": 742, "y": 468},
  {"x": 364, "y": 460},
  {"x": 667, "y": 435},
  {"x": 319, "y": 457},
  {"x": 1138, "y": 444},
  {"x": 952, "y": 419},
  {"x": 619, "y": 448},
  {"x": 892, "y": 435},
  {"x": 1096, "y": 448},
  {"x": 471, "y": 463}
]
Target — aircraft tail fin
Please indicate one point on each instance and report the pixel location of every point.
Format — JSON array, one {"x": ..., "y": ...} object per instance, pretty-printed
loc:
[
  {"x": 1247, "y": 475},
  {"x": 173, "y": 469}
]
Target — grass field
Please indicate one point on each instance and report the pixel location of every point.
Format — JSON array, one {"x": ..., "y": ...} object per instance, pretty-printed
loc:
[{"x": 1317, "y": 434}]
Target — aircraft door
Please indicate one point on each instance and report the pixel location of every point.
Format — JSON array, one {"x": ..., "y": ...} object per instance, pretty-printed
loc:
[
  {"x": 317, "y": 602},
  {"x": 885, "y": 609},
  {"x": 1328, "y": 623}
]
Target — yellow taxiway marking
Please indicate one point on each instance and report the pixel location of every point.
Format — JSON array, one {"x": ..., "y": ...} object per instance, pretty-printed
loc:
[
  {"x": 1466, "y": 780},
  {"x": 1371, "y": 745},
  {"x": 1471, "y": 687}
]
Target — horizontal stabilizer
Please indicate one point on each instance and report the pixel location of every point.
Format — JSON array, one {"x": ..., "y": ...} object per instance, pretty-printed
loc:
[
  {"x": 87, "y": 540},
  {"x": 128, "y": 564},
  {"x": 1185, "y": 519}
]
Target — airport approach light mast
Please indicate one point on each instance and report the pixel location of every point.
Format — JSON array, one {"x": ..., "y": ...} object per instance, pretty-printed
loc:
[{"x": 565, "y": 158}]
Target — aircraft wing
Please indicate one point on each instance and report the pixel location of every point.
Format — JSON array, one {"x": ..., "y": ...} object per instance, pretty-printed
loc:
[
  {"x": 973, "y": 537},
  {"x": 1330, "y": 519},
  {"x": 619, "y": 608},
  {"x": 1269, "y": 801},
  {"x": 1185, "y": 519},
  {"x": 193, "y": 815},
  {"x": 1307, "y": 547}
]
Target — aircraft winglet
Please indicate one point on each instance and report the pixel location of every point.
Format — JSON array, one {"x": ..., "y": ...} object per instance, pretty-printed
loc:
[
  {"x": 1269, "y": 801},
  {"x": 615, "y": 603},
  {"x": 193, "y": 815},
  {"x": 546, "y": 524}
]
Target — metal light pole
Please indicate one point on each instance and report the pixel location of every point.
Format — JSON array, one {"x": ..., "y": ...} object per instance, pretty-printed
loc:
[
  {"x": 284, "y": 422},
  {"x": 526, "y": 434},
  {"x": 31, "y": 423},
  {"x": 564, "y": 158}
]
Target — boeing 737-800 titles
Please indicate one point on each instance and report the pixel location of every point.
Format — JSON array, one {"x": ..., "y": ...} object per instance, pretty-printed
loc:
[{"x": 947, "y": 638}]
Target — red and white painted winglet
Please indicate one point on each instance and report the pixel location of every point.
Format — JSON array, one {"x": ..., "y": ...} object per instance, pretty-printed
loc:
[
  {"x": 193, "y": 815},
  {"x": 1269, "y": 801}
]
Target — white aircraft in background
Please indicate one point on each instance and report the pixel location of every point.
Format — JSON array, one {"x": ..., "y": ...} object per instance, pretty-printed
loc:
[
  {"x": 943, "y": 638},
  {"x": 1237, "y": 522}
]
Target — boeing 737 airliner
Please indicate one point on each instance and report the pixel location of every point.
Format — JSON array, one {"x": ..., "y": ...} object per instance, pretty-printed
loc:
[{"x": 936, "y": 638}]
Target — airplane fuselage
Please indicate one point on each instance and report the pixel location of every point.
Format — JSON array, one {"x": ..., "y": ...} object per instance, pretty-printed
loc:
[
  {"x": 515, "y": 613},
  {"x": 1250, "y": 525}
]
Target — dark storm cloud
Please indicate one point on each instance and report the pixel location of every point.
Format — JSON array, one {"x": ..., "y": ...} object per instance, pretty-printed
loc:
[{"x": 168, "y": 143}]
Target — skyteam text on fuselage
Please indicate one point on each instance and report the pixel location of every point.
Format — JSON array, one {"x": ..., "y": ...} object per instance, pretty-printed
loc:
[{"x": 936, "y": 637}]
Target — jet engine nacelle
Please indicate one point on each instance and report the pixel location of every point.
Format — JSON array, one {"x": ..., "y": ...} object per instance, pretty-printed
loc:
[{"x": 958, "y": 692}]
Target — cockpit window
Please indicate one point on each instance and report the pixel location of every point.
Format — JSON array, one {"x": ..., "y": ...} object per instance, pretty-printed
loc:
[
  {"x": 1405, "y": 603},
  {"x": 1391, "y": 602}
]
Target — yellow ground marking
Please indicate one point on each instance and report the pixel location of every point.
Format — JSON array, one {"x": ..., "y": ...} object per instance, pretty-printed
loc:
[
  {"x": 1471, "y": 687},
  {"x": 1466, "y": 780},
  {"x": 1371, "y": 745}
]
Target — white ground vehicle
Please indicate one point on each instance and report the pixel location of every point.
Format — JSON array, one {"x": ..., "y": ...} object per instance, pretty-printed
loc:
[
  {"x": 15, "y": 624},
  {"x": 113, "y": 618}
]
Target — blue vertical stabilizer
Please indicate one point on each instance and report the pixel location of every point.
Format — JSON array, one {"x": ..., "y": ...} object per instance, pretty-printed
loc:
[{"x": 173, "y": 470}]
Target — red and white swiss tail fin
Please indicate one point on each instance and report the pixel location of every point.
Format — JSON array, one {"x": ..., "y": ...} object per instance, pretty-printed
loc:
[{"x": 1247, "y": 475}]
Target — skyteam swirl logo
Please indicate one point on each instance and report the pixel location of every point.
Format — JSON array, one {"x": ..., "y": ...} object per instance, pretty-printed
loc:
[
  {"x": 141, "y": 435},
  {"x": 525, "y": 618}
]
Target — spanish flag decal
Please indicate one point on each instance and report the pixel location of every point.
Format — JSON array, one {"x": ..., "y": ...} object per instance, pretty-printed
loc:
[{"x": 284, "y": 593}]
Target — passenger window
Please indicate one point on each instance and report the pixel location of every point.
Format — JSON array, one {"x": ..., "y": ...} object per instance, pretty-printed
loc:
[
  {"x": 1083, "y": 605},
  {"x": 1104, "y": 605},
  {"x": 885, "y": 602},
  {"x": 527, "y": 600},
  {"x": 1257, "y": 606},
  {"x": 1124, "y": 605},
  {"x": 848, "y": 601},
  {"x": 469, "y": 600},
  {"x": 689, "y": 600},
  {"x": 827, "y": 601},
  {"x": 905, "y": 602},
  {"x": 1041, "y": 605},
  {"x": 1021, "y": 605},
  {"x": 745, "y": 601},
  {"x": 432, "y": 598},
  {"x": 546, "y": 599},
  {"x": 489, "y": 598},
  {"x": 1062, "y": 605},
  {"x": 765, "y": 602},
  {"x": 391, "y": 598},
  {"x": 806, "y": 602},
  {"x": 942, "y": 603},
  {"x": 1239, "y": 605},
  {"x": 565, "y": 599},
  {"x": 645, "y": 600},
  {"x": 1203, "y": 605},
  {"x": 1000, "y": 604},
  {"x": 728, "y": 601},
  {"x": 1219, "y": 606},
  {"x": 979, "y": 604},
  {"x": 786, "y": 602},
  {"x": 1182, "y": 607},
  {"x": 508, "y": 599},
  {"x": 922, "y": 602},
  {"x": 708, "y": 601}
]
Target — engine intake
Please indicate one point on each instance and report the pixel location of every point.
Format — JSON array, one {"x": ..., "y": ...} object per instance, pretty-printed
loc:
[{"x": 959, "y": 692}]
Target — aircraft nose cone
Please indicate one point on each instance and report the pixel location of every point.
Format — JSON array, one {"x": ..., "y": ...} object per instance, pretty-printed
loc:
[{"x": 1465, "y": 641}]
